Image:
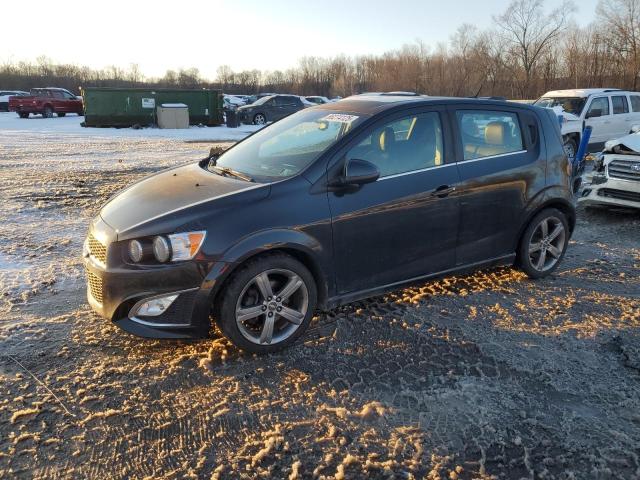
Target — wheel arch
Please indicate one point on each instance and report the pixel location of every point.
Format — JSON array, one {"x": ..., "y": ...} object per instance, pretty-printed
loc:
[
  {"x": 303, "y": 248},
  {"x": 560, "y": 204}
]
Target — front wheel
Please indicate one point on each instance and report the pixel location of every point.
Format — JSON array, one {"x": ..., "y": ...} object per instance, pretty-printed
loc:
[
  {"x": 23, "y": 114},
  {"x": 60, "y": 114},
  {"x": 543, "y": 243},
  {"x": 259, "y": 119},
  {"x": 268, "y": 304}
]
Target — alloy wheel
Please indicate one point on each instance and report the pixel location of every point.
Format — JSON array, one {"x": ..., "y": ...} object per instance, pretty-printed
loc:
[
  {"x": 272, "y": 306},
  {"x": 547, "y": 243},
  {"x": 259, "y": 119}
]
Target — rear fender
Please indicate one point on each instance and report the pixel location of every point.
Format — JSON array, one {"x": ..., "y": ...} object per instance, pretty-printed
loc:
[{"x": 555, "y": 196}]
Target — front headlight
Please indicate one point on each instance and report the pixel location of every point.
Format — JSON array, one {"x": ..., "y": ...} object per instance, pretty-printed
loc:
[
  {"x": 175, "y": 247},
  {"x": 184, "y": 246}
]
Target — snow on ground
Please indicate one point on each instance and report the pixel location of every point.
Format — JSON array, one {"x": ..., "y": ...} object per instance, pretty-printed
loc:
[
  {"x": 484, "y": 376},
  {"x": 69, "y": 126}
]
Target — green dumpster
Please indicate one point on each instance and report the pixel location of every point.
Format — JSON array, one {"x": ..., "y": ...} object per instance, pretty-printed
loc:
[{"x": 125, "y": 107}]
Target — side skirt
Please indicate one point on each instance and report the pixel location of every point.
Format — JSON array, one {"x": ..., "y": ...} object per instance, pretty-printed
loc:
[{"x": 351, "y": 297}]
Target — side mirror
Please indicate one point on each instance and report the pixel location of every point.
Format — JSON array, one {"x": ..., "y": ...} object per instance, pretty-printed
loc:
[
  {"x": 596, "y": 112},
  {"x": 357, "y": 172}
]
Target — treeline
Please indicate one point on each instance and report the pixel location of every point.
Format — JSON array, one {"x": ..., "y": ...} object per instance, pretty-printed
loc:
[{"x": 527, "y": 52}]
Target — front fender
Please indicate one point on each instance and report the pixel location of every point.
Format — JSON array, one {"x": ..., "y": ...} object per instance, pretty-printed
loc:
[{"x": 304, "y": 246}]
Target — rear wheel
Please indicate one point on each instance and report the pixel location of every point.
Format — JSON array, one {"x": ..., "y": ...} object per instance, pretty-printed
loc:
[
  {"x": 47, "y": 112},
  {"x": 60, "y": 114},
  {"x": 268, "y": 304},
  {"x": 23, "y": 114},
  {"x": 544, "y": 243}
]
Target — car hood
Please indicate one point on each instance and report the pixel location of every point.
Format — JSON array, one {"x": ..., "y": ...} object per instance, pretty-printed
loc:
[
  {"x": 629, "y": 143},
  {"x": 167, "y": 193}
]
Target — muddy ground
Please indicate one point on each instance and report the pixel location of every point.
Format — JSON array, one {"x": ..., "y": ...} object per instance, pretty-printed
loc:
[{"x": 484, "y": 376}]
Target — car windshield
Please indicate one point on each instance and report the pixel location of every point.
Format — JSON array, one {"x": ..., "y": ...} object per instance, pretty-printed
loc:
[
  {"x": 288, "y": 146},
  {"x": 572, "y": 105}
]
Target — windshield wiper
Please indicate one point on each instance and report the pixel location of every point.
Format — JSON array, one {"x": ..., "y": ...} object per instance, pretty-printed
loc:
[{"x": 230, "y": 172}]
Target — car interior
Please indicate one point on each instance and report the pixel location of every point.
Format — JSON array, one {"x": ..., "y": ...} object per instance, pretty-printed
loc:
[
  {"x": 405, "y": 145},
  {"x": 486, "y": 135}
]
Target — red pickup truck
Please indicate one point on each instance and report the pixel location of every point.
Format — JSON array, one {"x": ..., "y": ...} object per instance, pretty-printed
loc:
[{"x": 46, "y": 101}]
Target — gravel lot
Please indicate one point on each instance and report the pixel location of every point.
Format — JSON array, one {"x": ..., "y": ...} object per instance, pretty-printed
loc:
[{"x": 483, "y": 376}]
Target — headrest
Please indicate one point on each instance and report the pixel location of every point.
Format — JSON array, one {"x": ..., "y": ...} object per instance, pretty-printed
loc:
[
  {"x": 387, "y": 139},
  {"x": 494, "y": 133}
]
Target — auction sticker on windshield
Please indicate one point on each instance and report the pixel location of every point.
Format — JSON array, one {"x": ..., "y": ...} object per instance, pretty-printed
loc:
[{"x": 339, "y": 117}]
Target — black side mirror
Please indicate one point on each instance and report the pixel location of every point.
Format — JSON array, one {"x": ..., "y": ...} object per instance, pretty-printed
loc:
[
  {"x": 596, "y": 112},
  {"x": 357, "y": 172}
]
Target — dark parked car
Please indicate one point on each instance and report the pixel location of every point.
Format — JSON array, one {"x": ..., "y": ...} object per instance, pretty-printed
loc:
[
  {"x": 327, "y": 206},
  {"x": 270, "y": 109}
]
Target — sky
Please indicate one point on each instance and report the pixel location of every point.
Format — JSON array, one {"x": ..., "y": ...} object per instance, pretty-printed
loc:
[{"x": 244, "y": 34}]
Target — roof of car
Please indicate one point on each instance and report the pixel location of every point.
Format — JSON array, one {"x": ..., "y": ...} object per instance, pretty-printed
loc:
[
  {"x": 580, "y": 92},
  {"x": 375, "y": 103}
]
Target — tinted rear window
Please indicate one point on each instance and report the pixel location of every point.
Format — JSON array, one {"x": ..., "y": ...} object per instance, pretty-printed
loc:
[
  {"x": 619, "y": 104},
  {"x": 489, "y": 133}
]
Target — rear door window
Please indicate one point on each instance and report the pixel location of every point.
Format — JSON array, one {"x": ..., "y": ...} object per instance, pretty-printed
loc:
[
  {"x": 619, "y": 104},
  {"x": 489, "y": 133}
]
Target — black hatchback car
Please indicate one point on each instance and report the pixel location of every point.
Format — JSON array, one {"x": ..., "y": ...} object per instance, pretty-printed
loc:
[
  {"x": 270, "y": 109},
  {"x": 327, "y": 206}
]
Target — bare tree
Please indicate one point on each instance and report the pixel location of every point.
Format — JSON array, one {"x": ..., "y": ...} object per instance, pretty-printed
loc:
[
  {"x": 620, "y": 19},
  {"x": 530, "y": 33}
]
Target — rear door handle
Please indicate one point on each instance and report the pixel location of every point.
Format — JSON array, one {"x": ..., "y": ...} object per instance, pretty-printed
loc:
[{"x": 443, "y": 191}]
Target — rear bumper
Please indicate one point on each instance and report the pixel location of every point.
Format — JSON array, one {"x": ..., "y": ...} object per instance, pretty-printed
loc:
[{"x": 613, "y": 192}]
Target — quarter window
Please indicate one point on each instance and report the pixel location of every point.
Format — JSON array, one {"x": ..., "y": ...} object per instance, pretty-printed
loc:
[
  {"x": 619, "y": 104},
  {"x": 635, "y": 102},
  {"x": 404, "y": 145},
  {"x": 601, "y": 105},
  {"x": 485, "y": 134}
]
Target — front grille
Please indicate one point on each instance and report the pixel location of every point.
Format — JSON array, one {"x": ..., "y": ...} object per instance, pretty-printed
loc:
[
  {"x": 95, "y": 286},
  {"x": 619, "y": 194},
  {"x": 97, "y": 250},
  {"x": 625, "y": 169}
]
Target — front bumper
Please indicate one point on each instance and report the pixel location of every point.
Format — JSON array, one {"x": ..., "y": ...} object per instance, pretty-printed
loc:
[
  {"x": 613, "y": 192},
  {"x": 115, "y": 287}
]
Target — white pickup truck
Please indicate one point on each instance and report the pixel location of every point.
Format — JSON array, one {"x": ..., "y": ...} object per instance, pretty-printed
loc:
[{"x": 610, "y": 112}]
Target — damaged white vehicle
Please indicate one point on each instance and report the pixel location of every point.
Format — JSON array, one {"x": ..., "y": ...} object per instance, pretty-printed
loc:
[{"x": 616, "y": 174}]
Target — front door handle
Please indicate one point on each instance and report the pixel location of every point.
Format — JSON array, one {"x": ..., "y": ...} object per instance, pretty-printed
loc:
[{"x": 443, "y": 191}]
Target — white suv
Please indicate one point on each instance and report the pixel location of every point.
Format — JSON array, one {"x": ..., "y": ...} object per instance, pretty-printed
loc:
[{"x": 610, "y": 112}]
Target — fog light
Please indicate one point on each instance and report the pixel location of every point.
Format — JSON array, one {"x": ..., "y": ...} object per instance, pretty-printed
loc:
[
  {"x": 136, "y": 251},
  {"x": 155, "y": 306},
  {"x": 161, "y": 249},
  {"x": 598, "y": 179}
]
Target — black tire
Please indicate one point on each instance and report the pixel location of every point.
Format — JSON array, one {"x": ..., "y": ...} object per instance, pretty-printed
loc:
[
  {"x": 47, "y": 112},
  {"x": 259, "y": 119},
  {"x": 533, "y": 236},
  {"x": 571, "y": 146},
  {"x": 241, "y": 280},
  {"x": 60, "y": 114},
  {"x": 23, "y": 114}
]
